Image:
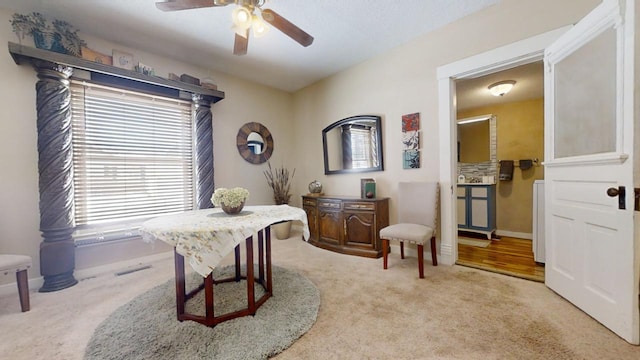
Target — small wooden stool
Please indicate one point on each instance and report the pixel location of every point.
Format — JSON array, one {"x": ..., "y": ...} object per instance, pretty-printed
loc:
[{"x": 18, "y": 264}]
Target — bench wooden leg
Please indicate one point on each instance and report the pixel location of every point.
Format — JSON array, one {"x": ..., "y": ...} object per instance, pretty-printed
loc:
[
  {"x": 434, "y": 254},
  {"x": 401, "y": 250},
  {"x": 23, "y": 289},
  {"x": 385, "y": 252}
]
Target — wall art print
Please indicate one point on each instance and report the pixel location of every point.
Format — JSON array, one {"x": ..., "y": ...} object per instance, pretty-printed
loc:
[
  {"x": 411, "y": 141},
  {"x": 411, "y": 159},
  {"x": 411, "y": 122}
]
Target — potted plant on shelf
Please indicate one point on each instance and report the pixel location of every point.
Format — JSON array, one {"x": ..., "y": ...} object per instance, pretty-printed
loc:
[
  {"x": 279, "y": 181},
  {"x": 69, "y": 38},
  {"x": 60, "y": 37}
]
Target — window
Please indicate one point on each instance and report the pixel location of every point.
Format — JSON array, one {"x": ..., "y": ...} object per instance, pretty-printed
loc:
[{"x": 132, "y": 158}]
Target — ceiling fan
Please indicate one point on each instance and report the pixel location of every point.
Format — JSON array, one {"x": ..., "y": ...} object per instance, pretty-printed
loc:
[{"x": 248, "y": 15}]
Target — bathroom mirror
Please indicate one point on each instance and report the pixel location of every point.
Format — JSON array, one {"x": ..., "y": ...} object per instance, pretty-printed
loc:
[
  {"x": 254, "y": 142},
  {"x": 352, "y": 145},
  {"x": 474, "y": 139}
]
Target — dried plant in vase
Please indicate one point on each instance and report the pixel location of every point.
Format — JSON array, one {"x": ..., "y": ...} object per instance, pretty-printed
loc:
[{"x": 279, "y": 181}]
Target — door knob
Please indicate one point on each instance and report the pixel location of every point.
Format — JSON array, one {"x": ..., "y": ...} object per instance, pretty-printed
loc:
[
  {"x": 613, "y": 192},
  {"x": 620, "y": 192}
]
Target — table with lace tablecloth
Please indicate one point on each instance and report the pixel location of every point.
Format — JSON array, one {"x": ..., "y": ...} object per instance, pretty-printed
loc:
[{"x": 204, "y": 237}]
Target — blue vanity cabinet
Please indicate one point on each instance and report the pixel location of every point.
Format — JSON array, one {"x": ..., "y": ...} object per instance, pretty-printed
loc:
[{"x": 477, "y": 208}]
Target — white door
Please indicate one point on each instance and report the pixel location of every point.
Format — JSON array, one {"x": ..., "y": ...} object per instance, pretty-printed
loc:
[{"x": 589, "y": 111}]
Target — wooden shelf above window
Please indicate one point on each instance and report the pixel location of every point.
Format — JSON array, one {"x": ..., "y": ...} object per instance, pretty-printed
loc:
[{"x": 22, "y": 54}]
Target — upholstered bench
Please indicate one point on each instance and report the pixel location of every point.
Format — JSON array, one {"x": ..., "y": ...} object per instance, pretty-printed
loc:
[{"x": 18, "y": 264}]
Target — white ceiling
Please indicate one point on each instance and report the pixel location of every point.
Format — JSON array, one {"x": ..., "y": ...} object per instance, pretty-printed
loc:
[{"x": 346, "y": 32}]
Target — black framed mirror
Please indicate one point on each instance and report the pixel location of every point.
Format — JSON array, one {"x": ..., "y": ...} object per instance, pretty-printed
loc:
[
  {"x": 353, "y": 145},
  {"x": 254, "y": 142}
]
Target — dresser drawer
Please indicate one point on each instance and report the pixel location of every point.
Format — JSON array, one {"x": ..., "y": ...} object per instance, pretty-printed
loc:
[
  {"x": 349, "y": 205},
  {"x": 330, "y": 204},
  {"x": 309, "y": 202}
]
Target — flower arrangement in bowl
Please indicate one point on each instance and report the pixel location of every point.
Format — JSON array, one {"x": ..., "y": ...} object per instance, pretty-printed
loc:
[{"x": 230, "y": 200}]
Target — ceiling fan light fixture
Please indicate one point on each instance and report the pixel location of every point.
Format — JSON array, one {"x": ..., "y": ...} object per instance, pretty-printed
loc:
[
  {"x": 259, "y": 26},
  {"x": 501, "y": 87},
  {"x": 242, "y": 17}
]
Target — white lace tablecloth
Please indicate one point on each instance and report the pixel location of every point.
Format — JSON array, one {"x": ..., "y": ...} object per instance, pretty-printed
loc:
[{"x": 205, "y": 237}]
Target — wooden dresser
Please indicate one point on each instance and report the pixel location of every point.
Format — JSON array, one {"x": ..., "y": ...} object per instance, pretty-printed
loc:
[{"x": 348, "y": 225}]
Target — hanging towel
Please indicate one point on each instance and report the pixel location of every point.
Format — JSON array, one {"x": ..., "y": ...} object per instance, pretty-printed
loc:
[
  {"x": 506, "y": 170},
  {"x": 525, "y": 164}
]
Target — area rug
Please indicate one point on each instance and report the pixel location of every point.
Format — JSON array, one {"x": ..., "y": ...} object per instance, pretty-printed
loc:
[
  {"x": 474, "y": 242},
  {"x": 146, "y": 327}
]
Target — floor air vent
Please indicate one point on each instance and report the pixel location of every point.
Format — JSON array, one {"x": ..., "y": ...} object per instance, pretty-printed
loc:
[{"x": 129, "y": 271}]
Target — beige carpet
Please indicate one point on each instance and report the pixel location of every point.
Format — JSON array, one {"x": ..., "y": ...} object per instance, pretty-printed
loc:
[
  {"x": 365, "y": 313},
  {"x": 474, "y": 242}
]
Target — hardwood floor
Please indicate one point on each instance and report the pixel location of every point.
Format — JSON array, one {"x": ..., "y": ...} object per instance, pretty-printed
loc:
[{"x": 510, "y": 256}]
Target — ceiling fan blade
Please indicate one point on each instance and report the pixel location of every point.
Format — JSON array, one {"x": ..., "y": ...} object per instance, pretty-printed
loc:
[
  {"x": 287, "y": 27},
  {"x": 174, "y": 5},
  {"x": 240, "y": 44}
]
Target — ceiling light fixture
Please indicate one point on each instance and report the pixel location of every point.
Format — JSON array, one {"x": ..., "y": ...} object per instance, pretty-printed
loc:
[
  {"x": 474, "y": 119},
  {"x": 501, "y": 87},
  {"x": 242, "y": 19},
  {"x": 259, "y": 26}
]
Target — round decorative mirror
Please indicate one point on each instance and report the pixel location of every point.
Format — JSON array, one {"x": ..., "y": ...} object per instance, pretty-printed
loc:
[{"x": 255, "y": 143}]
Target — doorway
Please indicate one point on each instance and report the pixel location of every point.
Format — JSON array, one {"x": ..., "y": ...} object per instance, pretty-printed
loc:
[
  {"x": 520, "y": 53},
  {"x": 492, "y": 130}
]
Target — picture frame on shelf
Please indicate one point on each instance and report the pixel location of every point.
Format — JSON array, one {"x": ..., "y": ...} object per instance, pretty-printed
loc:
[
  {"x": 122, "y": 59},
  {"x": 92, "y": 55},
  {"x": 364, "y": 187},
  {"x": 144, "y": 69}
]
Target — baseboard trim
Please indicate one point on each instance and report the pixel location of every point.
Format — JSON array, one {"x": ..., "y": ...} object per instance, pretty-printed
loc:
[
  {"x": 37, "y": 282},
  {"x": 515, "y": 234}
]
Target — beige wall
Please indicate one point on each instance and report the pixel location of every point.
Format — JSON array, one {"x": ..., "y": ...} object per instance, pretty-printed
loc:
[
  {"x": 520, "y": 133},
  {"x": 400, "y": 81},
  {"x": 19, "y": 215}
]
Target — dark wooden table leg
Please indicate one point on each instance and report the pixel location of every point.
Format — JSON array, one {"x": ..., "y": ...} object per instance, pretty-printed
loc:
[
  {"x": 261, "y": 257},
  {"x": 208, "y": 298},
  {"x": 268, "y": 254},
  {"x": 238, "y": 275},
  {"x": 421, "y": 261},
  {"x": 180, "y": 286},
  {"x": 251, "y": 299}
]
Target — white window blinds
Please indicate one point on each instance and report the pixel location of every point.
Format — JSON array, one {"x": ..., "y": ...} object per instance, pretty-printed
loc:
[{"x": 132, "y": 155}]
